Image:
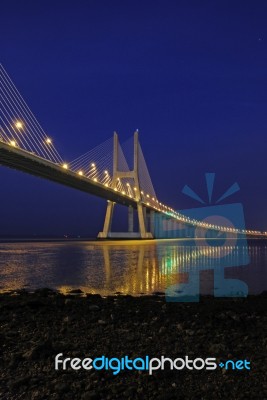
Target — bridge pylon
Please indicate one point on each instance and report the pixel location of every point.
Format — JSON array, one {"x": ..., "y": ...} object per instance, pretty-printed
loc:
[{"x": 141, "y": 210}]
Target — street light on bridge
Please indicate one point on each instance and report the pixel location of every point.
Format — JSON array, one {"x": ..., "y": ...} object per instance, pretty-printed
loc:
[{"x": 19, "y": 125}]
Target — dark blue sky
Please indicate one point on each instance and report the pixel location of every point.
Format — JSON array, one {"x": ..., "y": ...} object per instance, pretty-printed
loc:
[{"x": 190, "y": 75}]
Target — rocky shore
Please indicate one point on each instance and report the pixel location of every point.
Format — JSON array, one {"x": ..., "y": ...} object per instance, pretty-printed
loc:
[{"x": 35, "y": 327}]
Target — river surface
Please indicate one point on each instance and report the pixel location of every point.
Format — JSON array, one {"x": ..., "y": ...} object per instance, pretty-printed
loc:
[{"x": 135, "y": 267}]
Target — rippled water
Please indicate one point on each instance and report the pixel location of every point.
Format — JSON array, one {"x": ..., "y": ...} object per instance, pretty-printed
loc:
[{"x": 129, "y": 267}]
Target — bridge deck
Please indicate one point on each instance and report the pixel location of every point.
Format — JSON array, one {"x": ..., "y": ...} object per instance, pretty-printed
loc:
[{"x": 22, "y": 160}]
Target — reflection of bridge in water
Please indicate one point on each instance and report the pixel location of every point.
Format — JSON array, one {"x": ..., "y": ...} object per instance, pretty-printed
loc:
[
  {"x": 128, "y": 267},
  {"x": 105, "y": 171},
  {"x": 147, "y": 268}
]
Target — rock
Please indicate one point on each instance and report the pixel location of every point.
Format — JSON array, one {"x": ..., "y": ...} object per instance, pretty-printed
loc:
[
  {"x": 75, "y": 291},
  {"x": 189, "y": 332},
  {"x": 180, "y": 327},
  {"x": 15, "y": 358},
  {"x": 35, "y": 304},
  {"x": 20, "y": 381},
  {"x": 217, "y": 349},
  {"x": 94, "y": 307},
  {"x": 94, "y": 296},
  {"x": 42, "y": 349},
  {"x": 61, "y": 387},
  {"x": 44, "y": 292},
  {"x": 129, "y": 392},
  {"x": 91, "y": 395}
]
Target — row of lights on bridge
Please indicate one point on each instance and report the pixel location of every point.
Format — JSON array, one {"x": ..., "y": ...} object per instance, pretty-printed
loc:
[
  {"x": 147, "y": 196},
  {"x": 20, "y": 126}
]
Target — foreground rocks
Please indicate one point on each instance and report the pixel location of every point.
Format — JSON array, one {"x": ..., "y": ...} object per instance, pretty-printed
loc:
[{"x": 35, "y": 327}]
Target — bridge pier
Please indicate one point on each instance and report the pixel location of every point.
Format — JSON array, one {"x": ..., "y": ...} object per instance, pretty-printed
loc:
[
  {"x": 141, "y": 209},
  {"x": 152, "y": 222},
  {"x": 130, "y": 219},
  {"x": 108, "y": 218}
]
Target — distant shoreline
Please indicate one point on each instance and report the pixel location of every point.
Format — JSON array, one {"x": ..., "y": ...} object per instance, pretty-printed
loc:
[
  {"x": 71, "y": 293},
  {"x": 44, "y": 239},
  {"x": 91, "y": 239}
]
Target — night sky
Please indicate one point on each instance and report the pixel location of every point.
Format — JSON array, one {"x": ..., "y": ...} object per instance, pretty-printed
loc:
[{"x": 190, "y": 75}]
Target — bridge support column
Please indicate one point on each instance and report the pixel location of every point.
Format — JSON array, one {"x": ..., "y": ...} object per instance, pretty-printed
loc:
[
  {"x": 141, "y": 220},
  {"x": 141, "y": 209},
  {"x": 152, "y": 222},
  {"x": 108, "y": 221},
  {"x": 147, "y": 219},
  {"x": 130, "y": 219}
]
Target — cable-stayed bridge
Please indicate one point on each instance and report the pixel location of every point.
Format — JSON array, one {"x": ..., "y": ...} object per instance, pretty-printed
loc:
[{"x": 104, "y": 171}]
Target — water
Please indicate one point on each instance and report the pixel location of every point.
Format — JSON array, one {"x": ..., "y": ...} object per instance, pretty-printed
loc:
[{"x": 136, "y": 267}]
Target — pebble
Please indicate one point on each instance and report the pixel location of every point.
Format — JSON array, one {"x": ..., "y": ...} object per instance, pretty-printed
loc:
[
  {"x": 101, "y": 322},
  {"x": 94, "y": 307}
]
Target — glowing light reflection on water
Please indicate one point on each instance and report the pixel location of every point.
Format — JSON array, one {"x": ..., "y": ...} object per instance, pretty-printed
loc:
[{"x": 128, "y": 267}]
